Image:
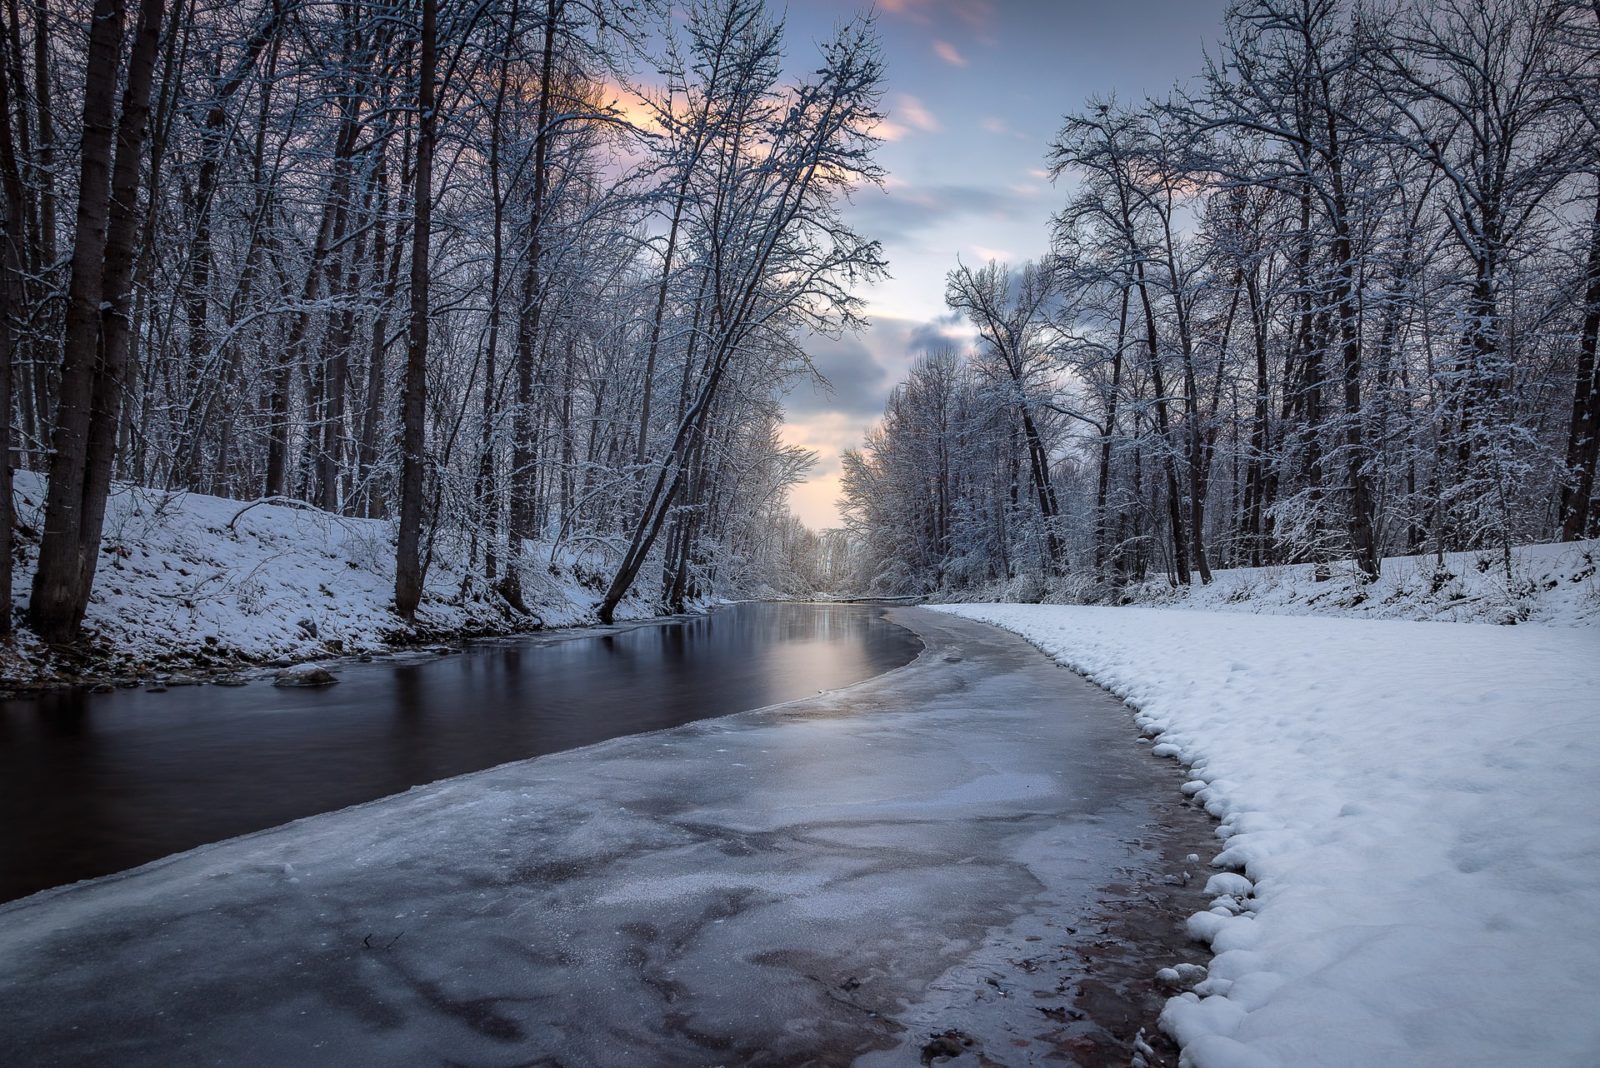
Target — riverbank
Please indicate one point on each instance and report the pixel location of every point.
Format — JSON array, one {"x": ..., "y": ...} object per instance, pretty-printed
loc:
[
  {"x": 1410, "y": 869},
  {"x": 194, "y": 586}
]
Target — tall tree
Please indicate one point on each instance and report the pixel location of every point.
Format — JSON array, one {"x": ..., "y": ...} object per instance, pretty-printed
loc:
[
  {"x": 96, "y": 349},
  {"x": 409, "y": 566}
]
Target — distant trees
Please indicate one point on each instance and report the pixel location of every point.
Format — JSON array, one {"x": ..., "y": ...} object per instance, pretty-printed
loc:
[
  {"x": 428, "y": 260},
  {"x": 1339, "y": 301}
]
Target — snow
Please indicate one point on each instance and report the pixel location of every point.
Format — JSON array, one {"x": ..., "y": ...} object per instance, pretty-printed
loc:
[
  {"x": 1551, "y": 584},
  {"x": 1411, "y": 852},
  {"x": 189, "y": 578}
]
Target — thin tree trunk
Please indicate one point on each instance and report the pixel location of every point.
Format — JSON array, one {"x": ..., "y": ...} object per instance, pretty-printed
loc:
[
  {"x": 1102, "y": 528},
  {"x": 10, "y": 240},
  {"x": 487, "y": 490},
  {"x": 385, "y": 260},
  {"x": 1180, "y": 549},
  {"x": 1256, "y": 499}
]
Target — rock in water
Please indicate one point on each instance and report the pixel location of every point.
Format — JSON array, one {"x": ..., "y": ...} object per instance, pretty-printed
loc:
[{"x": 305, "y": 675}]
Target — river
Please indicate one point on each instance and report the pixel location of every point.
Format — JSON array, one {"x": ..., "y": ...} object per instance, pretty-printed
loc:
[{"x": 96, "y": 783}]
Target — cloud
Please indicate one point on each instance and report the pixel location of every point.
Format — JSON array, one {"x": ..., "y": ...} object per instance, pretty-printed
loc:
[
  {"x": 905, "y": 209},
  {"x": 987, "y": 254},
  {"x": 931, "y": 337},
  {"x": 917, "y": 11},
  {"x": 863, "y": 369},
  {"x": 911, "y": 109},
  {"x": 815, "y": 501},
  {"x": 947, "y": 52},
  {"x": 977, "y": 14},
  {"x": 1001, "y": 128},
  {"x": 858, "y": 382},
  {"x": 886, "y": 129},
  {"x": 827, "y": 434}
]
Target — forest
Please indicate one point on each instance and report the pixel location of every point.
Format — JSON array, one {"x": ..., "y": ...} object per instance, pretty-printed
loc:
[
  {"x": 501, "y": 273},
  {"x": 1334, "y": 298}
]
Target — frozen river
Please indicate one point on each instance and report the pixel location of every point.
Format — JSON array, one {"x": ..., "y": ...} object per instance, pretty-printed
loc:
[
  {"x": 95, "y": 783},
  {"x": 971, "y": 846}
]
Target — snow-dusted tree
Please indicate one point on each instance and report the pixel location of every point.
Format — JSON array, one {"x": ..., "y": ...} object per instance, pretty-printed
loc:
[
  {"x": 776, "y": 255},
  {"x": 1471, "y": 88},
  {"x": 1012, "y": 316}
]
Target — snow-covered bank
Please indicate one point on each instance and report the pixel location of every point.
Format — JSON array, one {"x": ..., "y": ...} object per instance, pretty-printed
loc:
[
  {"x": 187, "y": 579},
  {"x": 1415, "y": 805},
  {"x": 1552, "y": 584}
]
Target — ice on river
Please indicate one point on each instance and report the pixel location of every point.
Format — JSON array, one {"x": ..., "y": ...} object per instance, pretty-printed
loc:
[
  {"x": 1414, "y": 805},
  {"x": 788, "y": 885}
]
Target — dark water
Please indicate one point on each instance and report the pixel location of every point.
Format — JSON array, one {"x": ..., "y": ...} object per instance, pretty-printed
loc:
[{"x": 95, "y": 783}]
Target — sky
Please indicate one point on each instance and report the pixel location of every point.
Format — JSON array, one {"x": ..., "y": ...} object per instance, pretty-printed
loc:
[{"x": 975, "y": 91}]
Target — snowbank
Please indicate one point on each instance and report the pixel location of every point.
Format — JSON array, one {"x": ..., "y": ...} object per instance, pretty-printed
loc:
[
  {"x": 191, "y": 579},
  {"x": 1413, "y": 807},
  {"x": 1551, "y": 584}
]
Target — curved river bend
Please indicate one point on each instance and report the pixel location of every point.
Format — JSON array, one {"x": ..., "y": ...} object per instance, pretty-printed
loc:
[{"x": 95, "y": 783}]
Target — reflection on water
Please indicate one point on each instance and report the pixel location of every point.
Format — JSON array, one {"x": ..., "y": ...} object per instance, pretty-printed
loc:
[{"x": 95, "y": 783}]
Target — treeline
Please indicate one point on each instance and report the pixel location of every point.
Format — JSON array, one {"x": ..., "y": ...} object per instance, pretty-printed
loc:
[
  {"x": 1338, "y": 299},
  {"x": 503, "y": 271}
]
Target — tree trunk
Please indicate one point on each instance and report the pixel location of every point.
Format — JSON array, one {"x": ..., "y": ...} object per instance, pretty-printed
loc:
[
  {"x": 95, "y": 349},
  {"x": 1102, "y": 528},
  {"x": 1363, "y": 535},
  {"x": 1256, "y": 497},
  {"x": 408, "y": 571},
  {"x": 524, "y": 457},
  {"x": 1180, "y": 547},
  {"x": 387, "y": 263},
  {"x": 9, "y": 291},
  {"x": 1583, "y": 434},
  {"x": 14, "y": 236}
]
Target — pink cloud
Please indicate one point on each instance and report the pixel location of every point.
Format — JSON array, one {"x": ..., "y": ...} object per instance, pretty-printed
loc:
[
  {"x": 887, "y": 130},
  {"x": 912, "y": 111},
  {"x": 947, "y": 52}
]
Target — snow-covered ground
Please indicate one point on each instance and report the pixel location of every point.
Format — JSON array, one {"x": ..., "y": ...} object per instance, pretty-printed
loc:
[
  {"x": 1412, "y": 806},
  {"x": 1552, "y": 584},
  {"x": 185, "y": 578}
]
